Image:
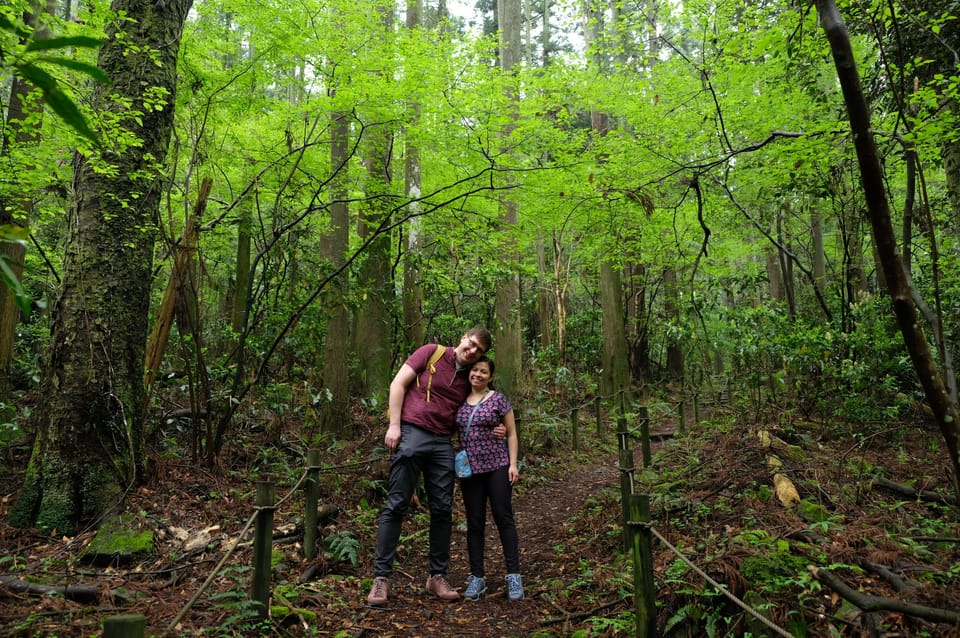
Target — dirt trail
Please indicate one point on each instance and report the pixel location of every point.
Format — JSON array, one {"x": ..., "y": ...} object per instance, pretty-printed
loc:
[{"x": 546, "y": 521}]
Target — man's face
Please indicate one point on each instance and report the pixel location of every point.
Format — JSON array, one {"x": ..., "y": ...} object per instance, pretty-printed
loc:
[{"x": 469, "y": 350}]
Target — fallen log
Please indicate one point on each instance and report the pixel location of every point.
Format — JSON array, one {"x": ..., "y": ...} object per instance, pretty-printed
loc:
[
  {"x": 77, "y": 593},
  {"x": 928, "y": 496},
  {"x": 867, "y": 602}
]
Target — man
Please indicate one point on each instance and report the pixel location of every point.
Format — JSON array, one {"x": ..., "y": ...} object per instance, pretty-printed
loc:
[{"x": 421, "y": 422}]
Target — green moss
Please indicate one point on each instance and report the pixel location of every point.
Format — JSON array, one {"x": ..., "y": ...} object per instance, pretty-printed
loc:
[
  {"x": 119, "y": 538},
  {"x": 812, "y": 512}
]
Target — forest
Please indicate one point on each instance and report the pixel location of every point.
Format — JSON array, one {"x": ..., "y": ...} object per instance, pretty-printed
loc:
[{"x": 225, "y": 225}]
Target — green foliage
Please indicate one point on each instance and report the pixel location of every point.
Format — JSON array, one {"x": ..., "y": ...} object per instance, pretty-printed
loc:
[
  {"x": 344, "y": 546},
  {"x": 32, "y": 60},
  {"x": 10, "y": 429},
  {"x": 861, "y": 376},
  {"x": 12, "y": 233},
  {"x": 777, "y": 571},
  {"x": 242, "y": 611}
]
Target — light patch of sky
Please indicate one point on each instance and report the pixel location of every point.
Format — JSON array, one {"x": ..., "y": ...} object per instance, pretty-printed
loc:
[{"x": 565, "y": 19}]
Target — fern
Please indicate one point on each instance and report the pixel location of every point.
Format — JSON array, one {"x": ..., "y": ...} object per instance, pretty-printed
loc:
[{"x": 343, "y": 546}]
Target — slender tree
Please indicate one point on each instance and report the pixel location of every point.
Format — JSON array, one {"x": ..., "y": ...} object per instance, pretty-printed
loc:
[
  {"x": 413, "y": 328},
  {"x": 334, "y": 415},
  {"x": 373, "y": 321},
  {"x": 508, "y": 331},
  {"x": 935, "y": 381}
]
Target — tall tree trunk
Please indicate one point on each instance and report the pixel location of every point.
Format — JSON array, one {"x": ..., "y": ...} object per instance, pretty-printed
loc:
[
  {"x": 786, "y": 266},
  {"x": 241, "y": 276},
  {"x": 508, "y": 331},
  {"x": 89, "y": 445},
  {"x": 546, "y": 315},
  {"x": 373, "y": 321},
  {"x": 671, "y": 306},
  {"x": 774, "y": 273},
  {"x": 413, "y": 328},
  {"x": 819, "y": 254},
  {"x": 939, "y": 391},
  {"x": 335, "y": 412},
  {"x": 950, "y": 154},
  {"x": 615, "y": 376}
]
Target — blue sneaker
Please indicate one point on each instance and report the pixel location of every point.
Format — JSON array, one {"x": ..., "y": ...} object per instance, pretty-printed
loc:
[
  {"x": 514, "y": 587},
  {"x": 475, "y": 587}
]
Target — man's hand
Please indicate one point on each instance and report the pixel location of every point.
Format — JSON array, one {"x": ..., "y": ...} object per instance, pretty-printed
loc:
[
  {"x": 392, "y": 437},
  {"x": 500, "y": 431}
]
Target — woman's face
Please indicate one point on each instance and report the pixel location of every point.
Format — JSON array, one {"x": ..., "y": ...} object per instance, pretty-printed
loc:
[{"x": 480, "y": 375}]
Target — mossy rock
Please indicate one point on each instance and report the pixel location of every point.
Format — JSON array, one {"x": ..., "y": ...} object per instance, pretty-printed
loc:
[
  {"x": 120, "y": 539},
  {"x": 812, "y": 512}
]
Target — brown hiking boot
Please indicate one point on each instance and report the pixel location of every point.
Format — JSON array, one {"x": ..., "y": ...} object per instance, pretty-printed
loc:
[
  {"x": 378, "y": 592},
  {"x": 438, "y": 585}
]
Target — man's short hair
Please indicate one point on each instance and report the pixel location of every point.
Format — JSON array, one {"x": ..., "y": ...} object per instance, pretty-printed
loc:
[{"x": 482, "y": 335}]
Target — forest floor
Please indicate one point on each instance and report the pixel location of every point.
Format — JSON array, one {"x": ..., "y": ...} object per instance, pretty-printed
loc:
[{"x": 716, "y": 509}]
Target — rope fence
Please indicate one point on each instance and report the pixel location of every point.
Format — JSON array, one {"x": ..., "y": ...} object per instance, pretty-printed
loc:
[{"x": 638, "y": 531}]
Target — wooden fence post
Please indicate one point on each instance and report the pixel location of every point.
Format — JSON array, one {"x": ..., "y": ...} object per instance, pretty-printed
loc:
[
  {"x": 575, "y": 428},
  {"x": 626, "y": 476},
  {"x": 641, "y": 542},
  {"x": 645, "y": 435},
  {"x": 311, "y": 496},
  {"x": 263, "y": 547},
  {"x": 596, "y": 409},
  {"x": 681, "y": 417},
  {"x": 125, "y": 626}
]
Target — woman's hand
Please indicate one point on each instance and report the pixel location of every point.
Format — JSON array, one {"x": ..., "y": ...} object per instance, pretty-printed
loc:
[{"x": 513, "y": 473}]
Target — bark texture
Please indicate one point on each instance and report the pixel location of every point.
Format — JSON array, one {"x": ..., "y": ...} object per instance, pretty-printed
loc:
[
  {"x": 939, "y": 394},
  {"x": 334, "y": 414},
  {"x": 89, "y": 445}
]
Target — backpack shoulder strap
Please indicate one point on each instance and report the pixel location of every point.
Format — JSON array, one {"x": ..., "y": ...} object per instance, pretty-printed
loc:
[{"x": 432, "y": 367}]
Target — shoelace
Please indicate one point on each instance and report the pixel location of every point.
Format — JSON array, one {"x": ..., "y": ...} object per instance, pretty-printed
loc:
[{"x": 379, "y": 587}]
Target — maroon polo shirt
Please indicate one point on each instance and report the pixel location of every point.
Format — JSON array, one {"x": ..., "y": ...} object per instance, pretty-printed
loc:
[{"x": 447, "y": 391}]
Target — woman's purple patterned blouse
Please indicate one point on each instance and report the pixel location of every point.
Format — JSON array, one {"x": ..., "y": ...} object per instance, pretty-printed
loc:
[{"x": 486, "y": 451}]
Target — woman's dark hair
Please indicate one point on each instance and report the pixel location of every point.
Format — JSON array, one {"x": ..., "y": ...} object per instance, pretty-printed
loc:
[{"x": 490, "y": 364}]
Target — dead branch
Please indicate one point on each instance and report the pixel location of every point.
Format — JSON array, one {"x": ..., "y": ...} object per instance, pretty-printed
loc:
[
  {"x": 905, "y": 490},
  {"x": 78, "y": 593},
  {"x": 867, "y": 602},
  {"x": 899, "y": 583}
]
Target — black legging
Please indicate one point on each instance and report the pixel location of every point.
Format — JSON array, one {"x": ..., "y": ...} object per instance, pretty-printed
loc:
[{"x": 477, "y": 490}]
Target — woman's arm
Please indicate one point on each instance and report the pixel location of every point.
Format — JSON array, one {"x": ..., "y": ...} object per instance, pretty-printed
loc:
[{"x": 513, "y": 445}]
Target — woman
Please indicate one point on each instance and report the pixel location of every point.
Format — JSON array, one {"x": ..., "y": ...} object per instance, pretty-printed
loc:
[{"x": 494, "y": 464}]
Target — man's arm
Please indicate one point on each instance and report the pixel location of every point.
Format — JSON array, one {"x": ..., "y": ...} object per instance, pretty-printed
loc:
[{"x": 398, "y": 390}]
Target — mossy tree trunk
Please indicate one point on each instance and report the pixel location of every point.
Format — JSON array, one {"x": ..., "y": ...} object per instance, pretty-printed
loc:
[
  {"x": 89, "y": 447},
  {"x": 508, "y": 330},
  {"x": 335, "y": 412}
]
